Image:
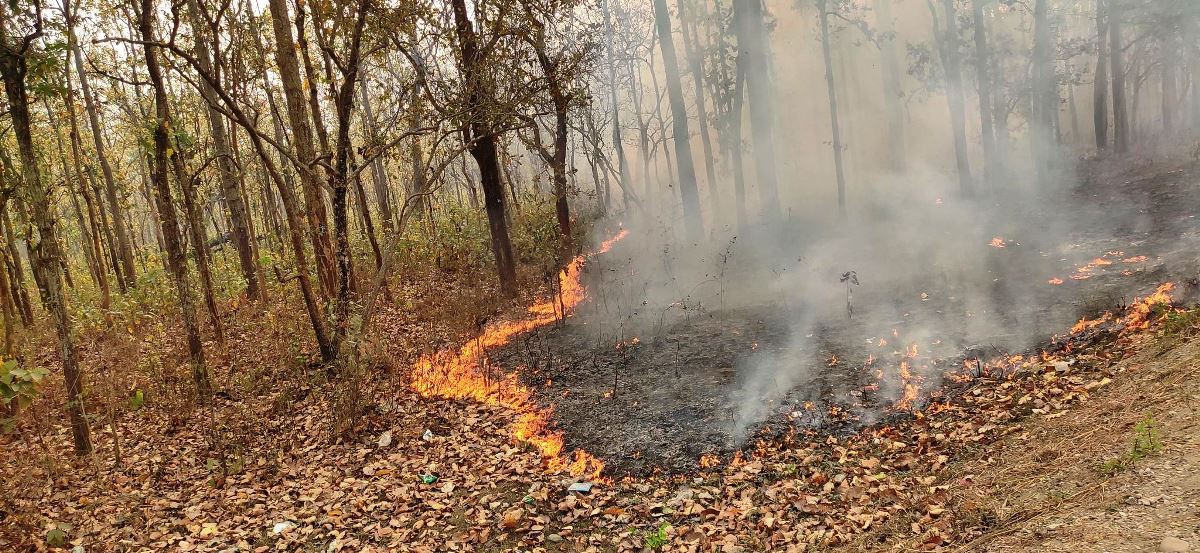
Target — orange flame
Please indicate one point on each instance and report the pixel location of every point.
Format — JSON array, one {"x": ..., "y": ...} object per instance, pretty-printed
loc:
[
  {"x": 911, "y": 388},
  {"x": 997, "y": 242},
  {"x": 465, "y": 374},
  {"x": 1138, "y": 316}
]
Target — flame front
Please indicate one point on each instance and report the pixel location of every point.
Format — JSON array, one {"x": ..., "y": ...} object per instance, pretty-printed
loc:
[{"x": 466, "y": 374}]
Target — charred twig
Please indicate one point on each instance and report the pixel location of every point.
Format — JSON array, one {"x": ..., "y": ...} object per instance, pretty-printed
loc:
[{"x": 850, "y": 279}]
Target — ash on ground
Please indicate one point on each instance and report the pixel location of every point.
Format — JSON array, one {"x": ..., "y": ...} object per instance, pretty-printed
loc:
[{"x": 648, "y": 384}]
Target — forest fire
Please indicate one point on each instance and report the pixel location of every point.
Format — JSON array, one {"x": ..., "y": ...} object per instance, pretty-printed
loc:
[
  {"x": 468, "y": 374},
  {"x": 1139, "y": 315}
]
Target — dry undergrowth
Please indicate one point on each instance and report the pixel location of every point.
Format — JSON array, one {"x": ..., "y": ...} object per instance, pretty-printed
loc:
[
  {"x": 992, "y": 469},
  {"x": 1073, "y": 483}
]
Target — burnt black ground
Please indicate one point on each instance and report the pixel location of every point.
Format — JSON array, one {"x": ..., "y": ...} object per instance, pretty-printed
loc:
[{"x": 676, "y": 393}]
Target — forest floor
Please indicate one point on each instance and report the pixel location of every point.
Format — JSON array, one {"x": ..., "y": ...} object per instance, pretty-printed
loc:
[{"x": 1091, "y": 447}]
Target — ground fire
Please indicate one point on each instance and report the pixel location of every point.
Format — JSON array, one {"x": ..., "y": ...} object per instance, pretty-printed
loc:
[{"x": 637, "y": 276}]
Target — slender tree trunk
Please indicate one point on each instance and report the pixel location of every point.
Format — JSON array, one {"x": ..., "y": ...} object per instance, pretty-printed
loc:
[
  {"x": 17, "y": 273},
  {"x": 1100, "y": 79},
  {"x": 1170, "y": 83},
  {"x": 379, "y": 177},
  {"x": 662, "y": 123},
  {"x": 558, "y": 157},
  {"x": 241, "y": 227},
  {"x": 339, "y": 179},
  {"x": 691, "y": 46},
  {"x": 831, "y": 95},
  {"x": 1116, "y": 52},
  {"x": 618, "y": 143},
  {"x": 693, "y": 223},
  {"x": 199, "y": 238},
  {"x": 45, "y": 247},
  {"x": 752, "y": 33},
  {"x": 983, "y": 73},
  {"x": 735, "y": 143},
  {"x": 1191, "y": 33},
  {"x": 893, "y": 93},
  {"x": 368, "y": 221},
  {"x": 95, "y": 266},
  {"x": 1044, "y": 115},
  {"x": 123, "y": 245},
  {"x": 6, "y": 309},
  {"x": 636, "y": 91},
  {"x": 314, "y": 101},
  {"x": 948, "y": 39},
  {"x": 299, "y": 118},
  {"x": 166, "y": 208},
  {"x": 423, "y": 203},
  {"x": 1073, "y": 112}
]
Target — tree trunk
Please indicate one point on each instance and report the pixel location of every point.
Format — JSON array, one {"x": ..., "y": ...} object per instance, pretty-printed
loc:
[
  {"x": 368, "y": 222},
  {"x": 166, "y": 208},
  {"x": 1073, "y": 111},
  {"x": 1043, "y": 108},
  {"x": 241, "y": 226},
  {"x": 893, "y": 93},
  {"x": 735, "y": 142},
  {"x": 618, "y": 143},
  {"x": 339, "y": 179},
  {"x": 199, "y": 238},
  {"x": 379, "y": 177},
  {"x": 693, "y": 223},
  {"x": 691, "y": 46},
  {"x": 1116, "y": 52},
  {"x": 1191, "y": 32},
  {"x": 17, "y": 273},
  {"x": 419, "y": 187},
  {"x": 831, "y": 95},
  {"x": 303, "y": 144},
  {"x": 45, "y": 247},
  {"x": 1100, "y": 79},
  {"x": 124, "y": 248},
  {"x": 1170, "y": 83},
  {"x": 753, "y": 40},
  {"x": 6, "y": 307},
  {"x": 983, "y": 72},
  {"x": 314, "y": 101},
  {"x": 481, "y": 142},
  {"x": 95, "y": 266},
  {"x": 558, "y": 157},
  {"x": 948, "y": 39}
]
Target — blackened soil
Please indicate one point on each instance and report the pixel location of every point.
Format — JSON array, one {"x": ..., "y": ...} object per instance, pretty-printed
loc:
[{"x": 659, "y": 388}]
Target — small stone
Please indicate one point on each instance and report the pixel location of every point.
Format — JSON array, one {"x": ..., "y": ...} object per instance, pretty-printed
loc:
[
  {"x": 582, "y": 487},
  {"x": 554, "y": 538},
  {"x": 1172, "y": 544}
]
